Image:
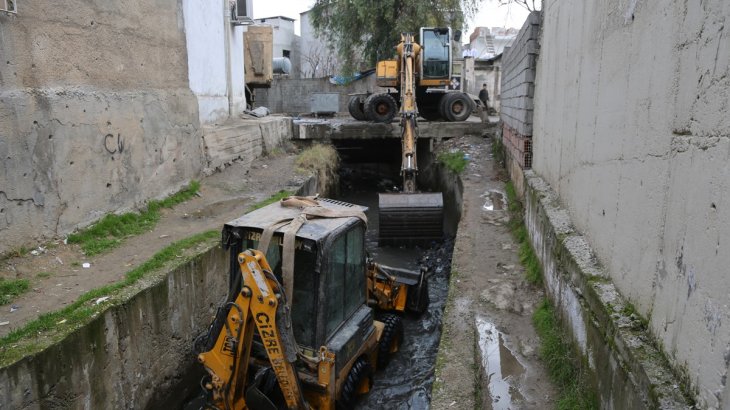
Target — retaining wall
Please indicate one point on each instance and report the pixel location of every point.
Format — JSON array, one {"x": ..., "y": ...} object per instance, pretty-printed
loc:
[
  {"x": 627, "y": 369},
  {"x": 631, "y": 130},
  {"x": 96, "y": 86}
]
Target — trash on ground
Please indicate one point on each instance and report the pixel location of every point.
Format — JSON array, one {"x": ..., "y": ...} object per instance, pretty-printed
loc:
[
  {"x": 4, "y": 323},
  {"x": 86, "y": 265},
  {"x": 101, "y": 300},
  {"x": 13, "y": 308}
]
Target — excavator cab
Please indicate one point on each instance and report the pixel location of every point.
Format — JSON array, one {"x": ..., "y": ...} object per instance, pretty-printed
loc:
[
  {"x": 325, "y": 327},
  {"x": 435, "y": 62}
]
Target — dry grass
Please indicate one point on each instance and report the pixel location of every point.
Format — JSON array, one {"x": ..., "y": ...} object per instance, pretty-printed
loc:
[{"x": 321, "y": 161}]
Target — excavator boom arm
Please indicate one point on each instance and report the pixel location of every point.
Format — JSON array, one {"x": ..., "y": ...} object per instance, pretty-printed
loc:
[
  {"x": 408, "y": 50},
  {"x": 260, "y": 303}
]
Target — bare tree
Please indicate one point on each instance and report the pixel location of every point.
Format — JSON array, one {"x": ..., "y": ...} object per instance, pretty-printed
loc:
[
  {"x": 528, "y": 4},
  {"x": 318, "y": 61}
]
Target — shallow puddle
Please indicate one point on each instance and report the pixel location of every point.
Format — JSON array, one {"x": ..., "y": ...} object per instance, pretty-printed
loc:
[
  {"x": 501, "y": 367},
  {"x": 494, "y": 200}
]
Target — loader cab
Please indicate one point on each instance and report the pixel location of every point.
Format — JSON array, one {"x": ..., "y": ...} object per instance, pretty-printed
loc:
[
  {"x": 436, "y": 56},
  {"x": 329, "y": 306}
]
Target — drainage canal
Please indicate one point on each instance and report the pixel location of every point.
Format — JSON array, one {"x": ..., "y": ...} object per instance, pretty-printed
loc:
[{"x": 405, "y": 383}]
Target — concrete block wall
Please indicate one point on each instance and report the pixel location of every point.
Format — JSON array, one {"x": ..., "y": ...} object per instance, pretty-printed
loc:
[
  {"x": 292, "y": 96},
  {"x": 519, "y": 63},
  {"x": 99, "y": 86},
  {"x": 631, "y": 130}
]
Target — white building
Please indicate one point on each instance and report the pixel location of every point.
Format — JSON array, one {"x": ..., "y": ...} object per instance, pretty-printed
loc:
[
  {"x": 486, "y": 43},
  {"x": 318, "y": 59}
]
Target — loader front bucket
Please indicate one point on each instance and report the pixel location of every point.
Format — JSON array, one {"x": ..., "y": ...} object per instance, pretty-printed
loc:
[{"x": 410, "y": 219}]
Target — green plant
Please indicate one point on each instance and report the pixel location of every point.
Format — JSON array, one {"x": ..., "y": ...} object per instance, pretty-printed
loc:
[
  {"x": 10, "y": 288},
  {"x": 498, "y": 152},
  {"x": 528, "y": 258},
  {"x": 564, "y": 366},
  {"x": 454, "y": 161},
  {"x": 111, "y": 230},
  {"x": 43, "y": 275}
]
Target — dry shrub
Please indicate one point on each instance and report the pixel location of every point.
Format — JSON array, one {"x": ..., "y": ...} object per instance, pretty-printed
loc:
[{"x": 323, "y": 162}]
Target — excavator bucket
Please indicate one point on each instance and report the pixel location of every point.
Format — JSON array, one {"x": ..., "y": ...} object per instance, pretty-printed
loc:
[{"x": 410, "y": 219}]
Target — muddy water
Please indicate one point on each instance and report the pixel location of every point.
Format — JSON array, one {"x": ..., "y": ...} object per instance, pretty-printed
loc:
[
  {"x": 501, "y": 366},
  {"x": 406, "y": 382}
]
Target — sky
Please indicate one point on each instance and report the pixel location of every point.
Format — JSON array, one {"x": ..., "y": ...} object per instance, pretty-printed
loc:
[{"x": 490, "y": 13}]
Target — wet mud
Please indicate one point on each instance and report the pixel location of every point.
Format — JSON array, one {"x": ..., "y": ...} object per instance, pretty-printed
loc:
[{"x": 407, "y": 380}]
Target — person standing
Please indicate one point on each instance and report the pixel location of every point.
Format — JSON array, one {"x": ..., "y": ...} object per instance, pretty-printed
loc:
[{"x": 484, "y": 96}]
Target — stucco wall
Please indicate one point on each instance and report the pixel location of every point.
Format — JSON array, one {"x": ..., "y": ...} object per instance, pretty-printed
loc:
[
  {"x": 207, "y": 33},
  {"x": 631, "y": 129},
  {"x": 96, "y": 86}
]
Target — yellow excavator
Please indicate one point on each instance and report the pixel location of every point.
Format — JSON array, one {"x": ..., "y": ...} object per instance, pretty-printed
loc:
[
  {"x": 296, "y": 330},
  {"x": 410, "y": 216}
]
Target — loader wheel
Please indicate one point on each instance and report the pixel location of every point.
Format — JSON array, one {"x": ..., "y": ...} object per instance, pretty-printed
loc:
[
  {"x": 391, "y": 340},
  {"x": 355, "y": 109},
  {"x": 380, "y": 108},
  {"x": 456, "y": 106},
  {"x": 360, "y": 373}
]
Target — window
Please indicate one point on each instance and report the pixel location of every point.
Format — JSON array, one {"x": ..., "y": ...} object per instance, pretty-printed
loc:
[
  {"x": 435, "y": 54},
  {"x": 285, "y": 53},
  {"x": 8, "y": 5},
  {"x": 306, "y": 280},
  {"x": 345, "y": 278}
]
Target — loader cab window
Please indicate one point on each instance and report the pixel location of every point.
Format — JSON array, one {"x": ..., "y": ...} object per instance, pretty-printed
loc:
[
  {"x": 436, "y": 49},
  {"x": 345, "y": 278},
  {"x": 306, "y": 278}
]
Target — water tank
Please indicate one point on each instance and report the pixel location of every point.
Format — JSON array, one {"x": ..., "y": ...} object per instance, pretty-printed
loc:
[{"x": 282, "y": 65}]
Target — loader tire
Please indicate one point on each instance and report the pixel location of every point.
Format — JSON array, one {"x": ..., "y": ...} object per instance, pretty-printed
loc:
[
  {"x": 380, "y": 108},
  {"x": 391, "y": 339},
  {"x": 355, "y": 109},
  {"x": 456, "y": 106},
  {"x": 360, "y": 372}
]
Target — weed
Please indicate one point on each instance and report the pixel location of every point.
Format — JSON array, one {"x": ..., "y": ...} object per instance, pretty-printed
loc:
[
  {"x": 10, "y": 288},
  {"x": 111, "y": 230},
  {"x": 43, "y": 275},
  {"x": 75, "y": 264},
  {"x": 533, "y": 269},
  {"x": 498, "y": 152},
  {"x": 454, "y": 161},
  {"x": 564, "y": 367}
]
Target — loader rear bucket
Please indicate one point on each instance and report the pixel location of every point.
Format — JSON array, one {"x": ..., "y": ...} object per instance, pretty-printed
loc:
[{"x": 410, "y": 219}]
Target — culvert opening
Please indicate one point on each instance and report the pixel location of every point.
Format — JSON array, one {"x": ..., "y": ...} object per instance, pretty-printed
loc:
[{"x": 368, "y": 168}]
